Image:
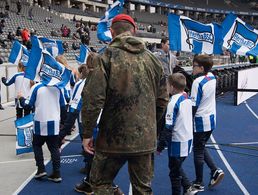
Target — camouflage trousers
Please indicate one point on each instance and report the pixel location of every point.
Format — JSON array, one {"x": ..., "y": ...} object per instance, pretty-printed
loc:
[{"x": 105, "y": 167}]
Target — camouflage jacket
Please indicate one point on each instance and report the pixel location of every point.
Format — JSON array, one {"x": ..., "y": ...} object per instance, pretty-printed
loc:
[{"x": 128, "y": 83}]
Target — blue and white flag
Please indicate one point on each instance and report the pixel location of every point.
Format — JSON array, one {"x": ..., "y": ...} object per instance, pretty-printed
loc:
[
  {"x": 188, "y": 35},
  {"x": 34, "y": 64},
  {"x": 84, "y": 53},
  {"x": 103, "y": 29},
  {"x": 53, "y": 73},
  {"x": 44, "y": 68},
  {"x": 54, "y": 47},
  {"x": 239, "y": 37},
  {"x": 19, "y": 53},
  {"x": 76, "y": 98},
  {"x": 24, "y": 134}
]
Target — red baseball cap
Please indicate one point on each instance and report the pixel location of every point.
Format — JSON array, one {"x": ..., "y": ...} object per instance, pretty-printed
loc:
[{"x": 124, "y": 17}]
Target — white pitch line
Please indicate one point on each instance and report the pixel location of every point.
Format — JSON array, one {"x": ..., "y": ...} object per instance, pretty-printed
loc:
[
  {"x": 250, "y": 109},
  {"x": 130, "y": 189},
  {"x": 32, "y": 175},
  {"x": 71, "y": 156},
  {"x": 243, "y": 143},
  {"x": 5, "y": 105},
  {"x": 32, "y": 159},
  {"x": 231, "y": 171},
  {"x": 16, "y": 161}
]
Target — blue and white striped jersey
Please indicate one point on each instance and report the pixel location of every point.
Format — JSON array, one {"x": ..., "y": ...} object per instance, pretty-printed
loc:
[
  {"x": 203, "y": 96},
  {"x": 21, "y": 84},
  {"x": 47, "y": 101},
  {"x": 179, "y": 122},
  {"x": 76, "y": 97}
]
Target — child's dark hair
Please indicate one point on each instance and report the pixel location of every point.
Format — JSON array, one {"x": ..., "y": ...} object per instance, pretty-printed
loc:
[
  {"x": 164, "y": 40},
  {"x": 205, "y": 61},
  {"x": 177, "y": 80}
]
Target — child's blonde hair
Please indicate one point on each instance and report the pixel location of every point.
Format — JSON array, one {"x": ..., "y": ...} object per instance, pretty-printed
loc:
[{"x": 61, "y": 59}]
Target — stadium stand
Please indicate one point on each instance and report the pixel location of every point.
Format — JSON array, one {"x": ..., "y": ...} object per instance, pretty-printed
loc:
[
  {"x": 37, "y": 23},
  {"x": 150, "y": 25}
]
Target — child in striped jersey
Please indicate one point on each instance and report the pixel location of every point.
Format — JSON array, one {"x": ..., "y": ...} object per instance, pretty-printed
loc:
[
  {"x": 47, "y": 101},
  {"x": 178, "y": 133},
  {"x": 21, "y": 85},
  {"x": 75, "y": 105},
  {"x": 204, "y": 111}
]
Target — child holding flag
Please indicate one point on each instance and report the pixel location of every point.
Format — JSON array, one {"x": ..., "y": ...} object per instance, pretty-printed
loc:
[
  {"x": 22, "y": 85},
  {"x": 47, "y": 98}
]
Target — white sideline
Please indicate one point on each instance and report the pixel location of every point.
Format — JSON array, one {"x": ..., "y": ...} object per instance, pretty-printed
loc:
[
  {"x": 32, "y": 159},
  {"x": 243, "y": 143},
  {"x": 231, "y": 171},
  {"x": 251, "y": 110},
  {"x": 8, "y": 104},
  {"x": 130, "y": 189},
  {"x": 32, "y": 175}
]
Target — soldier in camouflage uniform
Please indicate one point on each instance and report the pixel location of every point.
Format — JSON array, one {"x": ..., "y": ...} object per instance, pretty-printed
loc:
[{"x": 128, "y": 83}]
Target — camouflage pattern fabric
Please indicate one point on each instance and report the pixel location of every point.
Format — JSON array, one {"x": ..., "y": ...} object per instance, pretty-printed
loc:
[
  {"x": 129, "y": 84},
  {"x": 105, "y": 168}
]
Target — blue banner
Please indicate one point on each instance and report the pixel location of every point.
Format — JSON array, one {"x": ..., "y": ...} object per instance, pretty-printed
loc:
[
  {"x": 239, "y": 37},
  {"x": 189, "y": 35},
  {"x": 103, "y": 29},
  {"x": 54, "y": 47},
  {"x": 84, "y": 52},
  {"x": 53, "y": 73},
  {"x": 24, "y": 134},
  {"x": 19, "y": 53}
]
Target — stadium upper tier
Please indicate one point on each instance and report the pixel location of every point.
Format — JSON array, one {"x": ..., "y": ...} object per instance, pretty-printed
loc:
[
  {"x": 229, "y": 5},
  {"x": 36, "y": 23},
  {"x": 157, "y": 21}
]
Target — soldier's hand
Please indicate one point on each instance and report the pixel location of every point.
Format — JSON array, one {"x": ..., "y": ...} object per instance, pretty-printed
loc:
[
  {"x": 88, "y": 145},
  {"x": 161, "y": 146}
]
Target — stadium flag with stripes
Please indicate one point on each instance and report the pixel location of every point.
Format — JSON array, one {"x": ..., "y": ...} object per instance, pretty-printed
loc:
[
  {"x": 239, "y": 37},
  {"x": 24, "y": 134},
  {"x": 53, "y": 73},
  {"x": 189, "y": 35},
  {"x": 43, "y": 67},
  {"x": 34, "y": 64},
  {"x": 54, "y": 47},
  {"x": 84, "y": 53},
  {"x": 19, "y": 53},
  {"x": 103, "y": 29}
]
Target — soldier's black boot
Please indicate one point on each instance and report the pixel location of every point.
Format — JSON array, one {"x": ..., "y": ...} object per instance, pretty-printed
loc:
[{"x": 84, "y": 187}]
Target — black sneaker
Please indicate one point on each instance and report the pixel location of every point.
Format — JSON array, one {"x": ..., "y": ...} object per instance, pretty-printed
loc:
[
  {"x": 117, "y": 190},
  {"x": 83, "y": 187},
  {"x": 198, "y": 186},
  {"x": 1, "y": 107},
  {"x": 40, "y": 174},
  {"x": 55, "y": 177},
  {"x": 216, "y": 178},
  {"x": 191, "y": 191}
]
